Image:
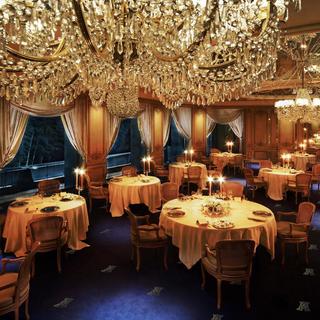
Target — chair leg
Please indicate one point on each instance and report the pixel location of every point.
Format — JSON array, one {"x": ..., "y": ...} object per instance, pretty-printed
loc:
[
  {"x": 203, "y": 272},
  {"x": 247, "y": 288},
  {"x": 218, "y": 294},
  {"x": 165, "y": 257},
  {"x": 283, "y": 252},
  {"x": 138, "y": 258},
  {"x": 16, "y": 314},
  {"x": 59, "y": 259},
  {"x": 26, "y": 309}
]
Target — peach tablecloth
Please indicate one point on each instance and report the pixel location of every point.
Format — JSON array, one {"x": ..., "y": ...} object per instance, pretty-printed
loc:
[
  {"x": 132, "y": 190},
  {"x": 277, "y": 180},
  {"x": 300, "y": 160},
  {"x": 191, "y": 238},
  {"x": 75, "y": 212},
  {"x": 179, "y": 169}
]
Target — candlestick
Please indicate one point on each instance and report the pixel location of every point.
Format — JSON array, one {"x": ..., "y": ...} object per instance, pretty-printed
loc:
[
  {"x": 185, "y": 155},
  {"x": 210, "y": 179},
  {"x": 81, "y": 173},
  {"x": 144, "y": 164},
  {"x": 220, "y": 180},
  {"x": 148, "y": 161},
  {"x": 191, "y": 153},
  {"x": 76, "y": 171}
]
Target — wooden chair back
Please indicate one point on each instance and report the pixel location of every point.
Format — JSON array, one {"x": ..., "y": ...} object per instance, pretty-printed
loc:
[
  {"x": 130, "y": 171},
  {"x": 305, "y": 212},
  {"x": 248, "y": 175},
  {"x": 265, "y": 164},
  {"x": 169, "y": 191},
  {"x": 316, "y": 169},
  {"x": 235, "y": 187},
  {"x": 303, "y": 180},
  {"x": 234, "y": 257},
  {"x": 49, "y": 186},
  {"x": 214, "y": 150}
]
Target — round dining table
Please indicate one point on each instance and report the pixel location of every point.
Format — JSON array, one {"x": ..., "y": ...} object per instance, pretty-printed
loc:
[
  {"x": 300, "y": 160},
  {"x": 134, "y": 190},
  {"x": 71, "y": 207},
  {"x": 223, "y": 158},
  {"x": 193, "y": 230},
  {"x": 178, "y": 170},
  {"x": 277, "y": 180}
]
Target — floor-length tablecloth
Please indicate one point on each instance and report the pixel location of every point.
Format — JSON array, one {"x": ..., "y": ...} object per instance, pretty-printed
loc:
[
  {"x": 191, "y": 238},
  {"x": 75, "y": 212},
  {"x": 300, "y": 160},
  {"x": 277, "y": 180},
  {"x": 177, "y": 172},
  {"x": 223, "y": 158},
  {"x": 133, "y": 190}
]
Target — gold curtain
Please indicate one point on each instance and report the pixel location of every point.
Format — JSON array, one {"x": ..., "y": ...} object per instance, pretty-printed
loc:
[
  {"x": 76, "y": 125},
  {"x": 13, "y": 124},
  {"x": 111, "y": 130}
]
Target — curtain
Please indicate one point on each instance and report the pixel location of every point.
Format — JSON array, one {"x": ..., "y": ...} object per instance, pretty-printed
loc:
[
  {"x": 13, "y": 124},
  {"x": 145, "y": 125},
  {"x": 183, "y": 122},
  {"x": 111, "y": 127},
  {"x": 166, "y": 126},
  {"x": 42, "y": 108},
  {"x": 237, "y": 127},
  {"x": 211, "y": 124},
  {"x": 223, "y": 116},
  {"x": 75, "y": 125}
]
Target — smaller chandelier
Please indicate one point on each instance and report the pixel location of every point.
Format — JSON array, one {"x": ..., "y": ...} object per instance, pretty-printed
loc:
[
  {"x": 303, "y": 107},
  {"x": 123, "y": 102}
]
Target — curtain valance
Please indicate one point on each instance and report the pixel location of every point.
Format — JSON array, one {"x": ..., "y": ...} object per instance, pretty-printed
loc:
[{"x": 223, "y": 116}]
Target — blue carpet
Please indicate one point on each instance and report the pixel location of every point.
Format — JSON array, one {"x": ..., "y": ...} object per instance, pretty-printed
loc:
[{"x": 100, "y": 282}]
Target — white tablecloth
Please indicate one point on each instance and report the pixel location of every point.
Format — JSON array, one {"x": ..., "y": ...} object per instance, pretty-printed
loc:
[
  {"x": 300, "y": 160},
  {"x": 277, "y": 180},
  {"x": 178, "y": 170},
  {"x": 134, "y": 190},
  {"x": 191, "y": 238},
  {"x": 74, "y": 211},
  {"x": 223, "y": 158}
]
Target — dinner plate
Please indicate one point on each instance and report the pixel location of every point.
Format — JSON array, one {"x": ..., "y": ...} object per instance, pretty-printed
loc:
[
  {"x": 176, "y": 213},
  {"x": 50, "y": 209},
  {"x": 262, "y": 213},
  {"x": 18, "y": 204},
  {"x": 222, "y": 224}
]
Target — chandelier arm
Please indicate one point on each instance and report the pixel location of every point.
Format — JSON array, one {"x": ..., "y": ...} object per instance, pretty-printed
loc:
[
  {"x": 83, "y": 26},
  {"x": 60, "y": 51},
  {"x": 194, "y": 45}
]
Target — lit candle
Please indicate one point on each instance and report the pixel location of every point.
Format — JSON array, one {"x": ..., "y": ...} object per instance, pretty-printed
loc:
[
  {"x": 76, "y": 171},
  {"x": 144, "y": 164},
  {"x": 148, "y": 160},
  {"x": 301, "y": 146},
  {"x": 210, "y": 179},
  {"x": 283, "y": 159},
  {"x": 185, "y": 155},
  {"x": 231, "y": 145},
  {"x": 191, "y": 153},
  {"x": 81, "y": 172},
  {"x": 220, "y": 180}
]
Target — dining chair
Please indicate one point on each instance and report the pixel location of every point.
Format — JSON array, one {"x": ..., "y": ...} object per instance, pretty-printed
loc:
[
  {"x": 301, "y": 185},
  {"x": 236, "y": 162},
  {"x": 265, "y": 164},
  {"x": 161, "y": 172},
  {"x": 295, "y": 232},
  {"x": 230, "y": 261},
  {"x": 215, "y": 150},
  {"x": 253, "y": 183},
  {"x": 193, "y": 176},
  {"x": 130, "y": 171},
  {"x": 315, "y": 174},
  {"x": 14, "y": 286},
  {"x": 51, "y": 232},
  {"x": 96, "y": 191},
  {"x": 318, "y": 155},
  {"x": 236, "y": 188},
  {"x": 49, "y": 186},
  {"x": 169, "y": 191},
  {"x": 146, "y": 235}
]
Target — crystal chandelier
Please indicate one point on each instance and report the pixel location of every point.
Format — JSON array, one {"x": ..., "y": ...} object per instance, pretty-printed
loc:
[
  {"x": 303, "y": 107},
  {"x": 193, "y": 51}
]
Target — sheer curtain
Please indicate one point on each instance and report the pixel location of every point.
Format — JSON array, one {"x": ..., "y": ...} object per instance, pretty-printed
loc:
[
  {"x": 75, "y": 125},
  {"x": 166, "y": 126},
  {"x": 211, "y": 124},
  {"x": 183, "y": 121},
  {"x": 237, "y": 127},
  {"x": 111, "y": 127},
  {"x": 145, "y": 125},
  {"x": 13, "y": 124}
]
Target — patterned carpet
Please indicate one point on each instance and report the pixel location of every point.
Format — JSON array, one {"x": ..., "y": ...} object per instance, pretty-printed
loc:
[{"x": 100, "y": 282}]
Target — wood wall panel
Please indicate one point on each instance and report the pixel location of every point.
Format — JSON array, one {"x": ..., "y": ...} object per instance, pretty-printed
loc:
[{"x": 199, "y": 122}]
